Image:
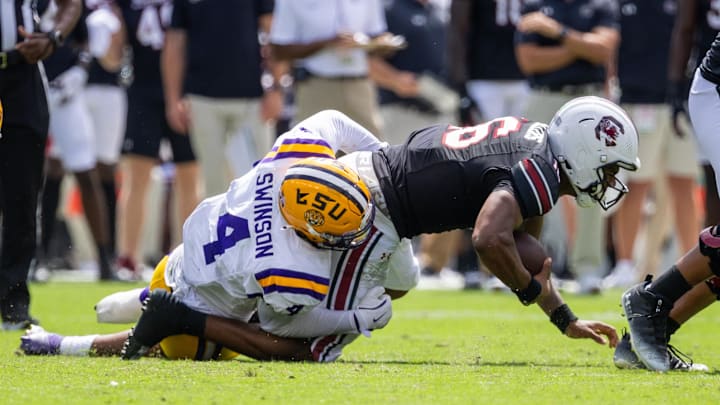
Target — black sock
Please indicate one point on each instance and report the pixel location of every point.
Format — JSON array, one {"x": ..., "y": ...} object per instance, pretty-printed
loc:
[
  {"x": 672, "y": 327},
  {"x": 50, "y": 201},
  {"x": 108, "y": 188},
  {"x": 194, "y": 322},
  {"x": 671, "y": 285}
]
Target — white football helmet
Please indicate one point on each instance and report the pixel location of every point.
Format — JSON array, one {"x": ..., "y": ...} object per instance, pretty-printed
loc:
[{"x": 591, "y": 139}]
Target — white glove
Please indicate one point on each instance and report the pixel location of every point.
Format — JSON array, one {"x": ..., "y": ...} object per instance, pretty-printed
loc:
[
  {"x": 373, "y": 312},
  {"x": 67, "y": 85}
]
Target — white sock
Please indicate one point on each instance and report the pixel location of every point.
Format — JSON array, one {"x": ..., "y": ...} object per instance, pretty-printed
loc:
[{"x": 77, "y": 345}]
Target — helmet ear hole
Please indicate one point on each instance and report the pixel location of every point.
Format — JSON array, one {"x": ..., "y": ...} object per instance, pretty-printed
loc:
[{"x": 327, "y": 203}]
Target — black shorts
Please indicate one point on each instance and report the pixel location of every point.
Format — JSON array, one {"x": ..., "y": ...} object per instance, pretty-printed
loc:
[{"x": 147, "y": 127}]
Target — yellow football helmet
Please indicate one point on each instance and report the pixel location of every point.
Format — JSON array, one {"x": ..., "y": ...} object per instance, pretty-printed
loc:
[{"x": 327, "y": 203}]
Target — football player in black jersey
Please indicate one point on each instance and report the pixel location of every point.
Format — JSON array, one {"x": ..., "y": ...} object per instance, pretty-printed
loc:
[
  {"x": 656, "y": 309},
  {"x": 496, "y": 178}
]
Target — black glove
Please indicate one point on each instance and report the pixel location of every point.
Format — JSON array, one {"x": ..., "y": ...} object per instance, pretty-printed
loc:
[{"x": 677, "y": 94}]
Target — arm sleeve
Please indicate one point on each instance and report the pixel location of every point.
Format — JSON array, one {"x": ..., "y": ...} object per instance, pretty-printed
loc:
[
  {"x": 342, "y": 133},
  {"x": 403, "y": 270},
  {"x": 537, "y": 186},
  {"x": 317, "y": 322}
]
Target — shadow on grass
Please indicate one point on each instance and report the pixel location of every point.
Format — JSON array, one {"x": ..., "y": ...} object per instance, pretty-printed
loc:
[{"x": 478, "y": 363}]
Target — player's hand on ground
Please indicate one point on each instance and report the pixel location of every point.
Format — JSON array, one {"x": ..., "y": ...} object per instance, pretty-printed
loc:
[
  {"x": 374, "y": 311},
  {"x": 600, "y": 332}
]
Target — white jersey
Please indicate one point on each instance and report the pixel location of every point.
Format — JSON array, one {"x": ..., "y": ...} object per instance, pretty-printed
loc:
[
  {"x": 384, "y": 260},
  {"x": 237, "y": 248}
]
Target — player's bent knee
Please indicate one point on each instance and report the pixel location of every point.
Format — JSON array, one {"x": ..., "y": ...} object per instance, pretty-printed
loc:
[{"x": 709, "y": 243}]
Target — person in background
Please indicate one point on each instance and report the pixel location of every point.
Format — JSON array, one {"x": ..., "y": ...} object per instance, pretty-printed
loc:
[
  {"x": 74, "y": 147},
  {"x": 22, "y": 145},
  {"x": 331, "y": 41},
  {"x": 219, "y": 97},
  {"x": 147, "y": 129}
]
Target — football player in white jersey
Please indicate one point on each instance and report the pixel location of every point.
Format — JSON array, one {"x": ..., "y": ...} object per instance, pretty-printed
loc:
[{"x": 243, "y": 252}]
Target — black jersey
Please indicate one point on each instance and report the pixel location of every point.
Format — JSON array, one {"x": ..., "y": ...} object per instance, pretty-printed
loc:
[
  {"x": 491, "y": 55},
  {"x": 441, "y": 176},
  {"x": 146, "y": 21}
]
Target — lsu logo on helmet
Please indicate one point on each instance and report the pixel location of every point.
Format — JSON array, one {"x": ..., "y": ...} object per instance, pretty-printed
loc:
[{"x": 326, "y": 203}]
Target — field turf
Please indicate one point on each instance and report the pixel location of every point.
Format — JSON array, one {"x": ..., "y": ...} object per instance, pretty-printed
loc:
[{"x": 452, "y": 347}]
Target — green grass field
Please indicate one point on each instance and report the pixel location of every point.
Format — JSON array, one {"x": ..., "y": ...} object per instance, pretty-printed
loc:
[{"x": 440, "y": 348}]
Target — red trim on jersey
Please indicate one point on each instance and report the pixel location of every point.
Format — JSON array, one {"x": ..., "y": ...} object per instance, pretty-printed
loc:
[
  {"x": 538, "y": 184},
  {"x": 320, "y": 346},
  {"x": 346, "y": 279}
]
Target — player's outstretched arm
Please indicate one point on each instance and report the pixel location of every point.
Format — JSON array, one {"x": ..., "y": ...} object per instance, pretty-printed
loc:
[{"x": 563, "y": 318}]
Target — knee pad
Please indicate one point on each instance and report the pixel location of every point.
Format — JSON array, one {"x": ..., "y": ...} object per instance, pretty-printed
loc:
[
  {"x": 710, "y": 247},
  {"x": 713, "y": 284}
]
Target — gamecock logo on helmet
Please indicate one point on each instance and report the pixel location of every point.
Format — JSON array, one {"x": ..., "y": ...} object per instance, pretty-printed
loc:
[
  {"x": 314, "y": 217},
  {"x": 608, "y": 129}
]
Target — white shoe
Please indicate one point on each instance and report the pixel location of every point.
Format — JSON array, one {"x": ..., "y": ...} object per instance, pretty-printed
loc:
[{"x": 623, "y": 275}]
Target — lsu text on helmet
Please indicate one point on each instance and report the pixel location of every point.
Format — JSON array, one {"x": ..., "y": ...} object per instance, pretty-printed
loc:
[
  {"x": 327, "y": 203},
  {"x": 591, "y": 139}
]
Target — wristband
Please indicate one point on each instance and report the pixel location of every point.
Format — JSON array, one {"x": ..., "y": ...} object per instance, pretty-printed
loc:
[
  {"x": 530, "y": 293},
  {"x": 562, "y": 316}
]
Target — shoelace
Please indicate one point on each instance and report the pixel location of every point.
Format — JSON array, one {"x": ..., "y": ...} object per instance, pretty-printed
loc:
[{"x": 682, "y": 358}]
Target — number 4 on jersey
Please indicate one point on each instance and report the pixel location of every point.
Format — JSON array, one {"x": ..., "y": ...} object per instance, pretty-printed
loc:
[{"x": 230, "y": 230}]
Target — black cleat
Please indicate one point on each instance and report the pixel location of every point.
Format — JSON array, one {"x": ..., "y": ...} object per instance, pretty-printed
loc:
[
  {"x": 647, "y": 315},
  {"x": 625, "y": 358},
  {"x": 161, "y": 317}
]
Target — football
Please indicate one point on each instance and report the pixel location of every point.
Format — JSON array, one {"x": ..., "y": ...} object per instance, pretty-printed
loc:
[{"x": 531, "y": 251}]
